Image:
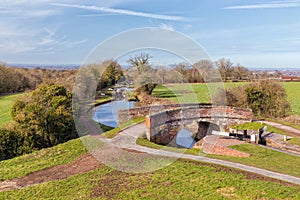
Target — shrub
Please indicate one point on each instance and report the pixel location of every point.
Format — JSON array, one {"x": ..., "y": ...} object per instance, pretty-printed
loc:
[
  {"x": 44, "y": 117},
  {"x": 265, "y": 98}
]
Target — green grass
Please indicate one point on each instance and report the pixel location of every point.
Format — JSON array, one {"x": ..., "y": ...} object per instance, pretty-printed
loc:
[
  {"x": 191, "y": 93},
  {"x": 256, "y": 125},
  {"x": 49, "y": 157},
  {"x": 112, "y": 133},
  {"x": 180, "y": 180},
  {"x": 266, "y": 159},
  {"x": 293, "y": 94},
  {"x": 294, "y": 140},
  {"x": 294, "y": 125},
  {"x": 260, "y": 157},
  {"x": 147, "y": 143},
  {"x": 5, "y": 107},
  {"x": 103, "y": 99}
]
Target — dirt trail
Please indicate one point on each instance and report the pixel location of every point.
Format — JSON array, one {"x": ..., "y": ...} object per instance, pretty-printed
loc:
[{"x": 83, "y": 164}]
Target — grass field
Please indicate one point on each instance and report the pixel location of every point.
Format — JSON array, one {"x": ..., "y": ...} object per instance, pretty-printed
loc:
[
  {"x": 260, "y": 157},
  {"x": 189, "y": 93},
  {"x": 180, "y": 180},
  {"x": 147, "y": 143},
  {"x": 266, "y": 159},
  {"x": 5, "y": 106}
]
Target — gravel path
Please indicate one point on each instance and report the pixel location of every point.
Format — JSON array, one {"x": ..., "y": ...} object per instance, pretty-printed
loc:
[{"x": 127, "y": 140}]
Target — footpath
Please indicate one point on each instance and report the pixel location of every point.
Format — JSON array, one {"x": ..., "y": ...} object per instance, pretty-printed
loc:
[{"x": 126, "y": 139}]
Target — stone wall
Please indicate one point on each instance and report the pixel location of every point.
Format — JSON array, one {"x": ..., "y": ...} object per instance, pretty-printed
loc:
[
  {"x": 161, "y": 127},
  {"x": 125, "y": 115}
]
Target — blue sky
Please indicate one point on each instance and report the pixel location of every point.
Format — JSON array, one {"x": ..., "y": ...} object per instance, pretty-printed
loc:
[{"x": 253, "y": 33}]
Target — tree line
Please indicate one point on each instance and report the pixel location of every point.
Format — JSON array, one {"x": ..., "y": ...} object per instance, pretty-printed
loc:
[{"x": 13, "y": 80}]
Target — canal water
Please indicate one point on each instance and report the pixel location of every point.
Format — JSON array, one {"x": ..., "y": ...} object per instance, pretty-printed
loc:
[
  {"x": 184, "y": 139},
  {"x": 107, "y": 113}
]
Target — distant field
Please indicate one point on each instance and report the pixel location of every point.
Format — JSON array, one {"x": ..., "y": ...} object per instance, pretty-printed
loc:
[
  {"x": 5, "y": 106},
  {"x": 293, "y": 94},
  {"x": 188, "y": 93}
]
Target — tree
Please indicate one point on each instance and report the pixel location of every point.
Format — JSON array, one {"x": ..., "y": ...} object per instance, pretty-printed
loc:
[
  {"x": 239, "y": 73},
  {"x": 44, "y": 117},
  {"x": 225, "y": 67},
  {"x": 265, "y": 98},
  {"x": 144, "y": 77},
  {"x": 140, "y": 62},
  {"x": 112, "y": 74},
  {"x": 11, "y": 80},
  {"x": 206, "y": 70}
]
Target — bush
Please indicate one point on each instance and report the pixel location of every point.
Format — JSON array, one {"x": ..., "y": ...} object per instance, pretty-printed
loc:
[
  {"x": 10, "y": 143},
  {"x": 44, "y": 117},
  {"x": 265, "y": 98}
]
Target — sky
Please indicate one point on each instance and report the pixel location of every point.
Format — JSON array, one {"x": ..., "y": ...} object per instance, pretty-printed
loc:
[{"x": 256, "y": 33}]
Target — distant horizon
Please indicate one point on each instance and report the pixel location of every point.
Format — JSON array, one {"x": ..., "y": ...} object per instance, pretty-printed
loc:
[{"x": 32, "y": 65}]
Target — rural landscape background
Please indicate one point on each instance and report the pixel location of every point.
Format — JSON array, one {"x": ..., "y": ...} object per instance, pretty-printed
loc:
[{"x": 55, "y": 139}]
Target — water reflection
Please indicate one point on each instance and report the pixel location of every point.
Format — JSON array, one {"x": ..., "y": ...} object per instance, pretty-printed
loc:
[
  {"x": 184, "y": 139},
  {"x": 107, "y": 114}
]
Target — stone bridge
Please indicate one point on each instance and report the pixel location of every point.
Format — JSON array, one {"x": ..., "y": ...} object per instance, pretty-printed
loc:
[{"x": 163, "y": 122}]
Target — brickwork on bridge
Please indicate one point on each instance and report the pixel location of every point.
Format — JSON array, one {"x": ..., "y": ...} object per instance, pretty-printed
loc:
[
  {"x": 163, "y": 127},
  {"x": 125, "y": 115},
  {"x": 164, "y": 121}
]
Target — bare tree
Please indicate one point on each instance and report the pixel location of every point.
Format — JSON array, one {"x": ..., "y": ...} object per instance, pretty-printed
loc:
[
  {"x": 140, "y": 62},
  {"x": 240, "y": 72},
  {"x": 205, "y": 68},
  {"x": 225, "y": 67}
]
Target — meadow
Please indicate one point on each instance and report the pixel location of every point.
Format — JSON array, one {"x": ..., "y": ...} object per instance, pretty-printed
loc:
[
  {"x": 5, "y": 107},
  {"x": 189, "y": 93},
  {"x": 182, "y": 179},
  {"x": 260, "y": 157}
]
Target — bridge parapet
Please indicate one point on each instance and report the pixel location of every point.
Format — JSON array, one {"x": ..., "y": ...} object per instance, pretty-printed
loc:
[{"x": 162, "y": 127}]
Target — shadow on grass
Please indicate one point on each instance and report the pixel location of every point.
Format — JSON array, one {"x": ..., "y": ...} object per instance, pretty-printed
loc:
[{"x": 165, "y": 94}]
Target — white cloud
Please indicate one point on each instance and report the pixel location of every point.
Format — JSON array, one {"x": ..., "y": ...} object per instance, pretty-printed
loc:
[
  {"x": 166, "y": 27},
  {"x": 272, "y": 4},
  {"x": 26, "y": 9},
  {"x": 121, "y": 11},
  {"x": 36, "y": 41}
]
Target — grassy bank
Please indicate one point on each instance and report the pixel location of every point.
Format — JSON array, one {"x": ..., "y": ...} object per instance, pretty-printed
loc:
[
  {"x": 60, "y": 154},
  {"x": 180, "y": 180},
  {"x": 147, "y": 143},
  {"x": 266, "y": 159},
  {"x": 5, "y": 107},
  {"x": 260, "y": 157},
  {"x": 112, "y": 133}
]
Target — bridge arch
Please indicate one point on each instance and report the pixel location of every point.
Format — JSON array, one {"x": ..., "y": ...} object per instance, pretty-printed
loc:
[{"x": 163, "y": 127}]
